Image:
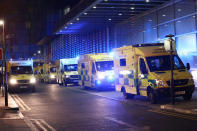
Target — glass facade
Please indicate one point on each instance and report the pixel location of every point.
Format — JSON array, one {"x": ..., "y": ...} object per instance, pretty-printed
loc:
[
  {"x": 178, "y": 18},
  {"x": 73, "y": 45}
]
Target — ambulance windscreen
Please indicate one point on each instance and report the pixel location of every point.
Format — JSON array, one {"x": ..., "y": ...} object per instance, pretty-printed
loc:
[
  {"x": 162, "y": 63},
  {"x": 21, "y": 70},
  {"x": 73, "y": 67},
  {"x": 53, "y": 69},
  {"x": 104, "y": 65}
]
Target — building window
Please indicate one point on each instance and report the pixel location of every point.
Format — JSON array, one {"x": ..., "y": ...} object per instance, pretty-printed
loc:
[{"x": 184, "y": 8}]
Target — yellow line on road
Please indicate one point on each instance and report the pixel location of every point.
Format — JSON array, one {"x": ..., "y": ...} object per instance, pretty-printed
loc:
[
  {"x": 21, "y": 103},
  {"x": 18, "y": 102}
]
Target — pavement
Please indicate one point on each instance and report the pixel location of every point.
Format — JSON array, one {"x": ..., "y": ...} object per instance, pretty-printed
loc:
[
  {"x": 11, "y": 103},
  {"x": 11, "y": 119},
  {"x": 185, "y": 107}
]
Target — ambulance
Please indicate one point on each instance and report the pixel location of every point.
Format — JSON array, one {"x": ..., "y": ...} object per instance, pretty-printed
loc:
[
  {"x": 67, "y": 71},
  {"x": 20, "y": 74},
  {"x": 96, "y": 71},
  {"x": 49, "y": 73},
  {"x": 38, "y": 66},
  {"x": 144, "y": 70}
]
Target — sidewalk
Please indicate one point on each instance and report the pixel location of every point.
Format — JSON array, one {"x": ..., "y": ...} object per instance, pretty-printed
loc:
[
  {"x": 11, "y": 104},
  {"x": 10, "y": 118},
  {"x": 181, "y": 106}
]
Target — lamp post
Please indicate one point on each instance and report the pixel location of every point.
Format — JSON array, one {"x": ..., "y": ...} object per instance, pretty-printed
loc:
[
  {"x": 172, "y": 49},
  {"x": 2, "y": 23}
]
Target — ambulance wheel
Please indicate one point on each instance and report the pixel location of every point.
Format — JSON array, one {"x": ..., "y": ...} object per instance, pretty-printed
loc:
[
  {"x": 83, "y": 85},
  {"x": 127, "y": 95},
  {"x": 187, "y": 96},
  {"x": 65, "y": 83},
  {"x": 152, "y": 96}
]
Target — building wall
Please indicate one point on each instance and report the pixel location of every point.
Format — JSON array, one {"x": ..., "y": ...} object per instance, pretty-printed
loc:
[
  {"x": 73, "y": 45},
  {"x": 178, "y": 18}
]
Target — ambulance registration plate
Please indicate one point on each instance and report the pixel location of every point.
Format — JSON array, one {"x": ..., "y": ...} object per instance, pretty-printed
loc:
[
  {"x": 23, "y": 86},
  {"x": 179, "y": 92}
]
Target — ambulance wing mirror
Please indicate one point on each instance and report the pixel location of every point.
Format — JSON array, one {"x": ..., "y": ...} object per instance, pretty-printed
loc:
[{"x": 188, "y": 66}]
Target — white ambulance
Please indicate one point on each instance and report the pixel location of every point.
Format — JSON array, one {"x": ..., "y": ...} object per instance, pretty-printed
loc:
[
  {"x": 67, "y": 72},
  {"x": 96, "y": 70},
  {"x": 20, "y": 74}
]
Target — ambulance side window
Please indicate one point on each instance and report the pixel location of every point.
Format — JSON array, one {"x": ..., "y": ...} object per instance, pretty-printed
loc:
[
  {"x": 143, "y": 67},
  {"x": 93, "y": 69},
  {"x": 82, "y": 65},
  {"x": 122, "y": 62}
]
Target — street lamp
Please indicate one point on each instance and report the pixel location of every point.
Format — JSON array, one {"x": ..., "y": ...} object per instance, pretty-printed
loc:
[
  {"x": 39, "y": 52},
  {"x": 2, "y": 23}
]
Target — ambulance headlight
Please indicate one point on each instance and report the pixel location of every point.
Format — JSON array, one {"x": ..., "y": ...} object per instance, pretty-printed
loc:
[
  {"x": 67, "y": 76},
  {"x": 52, "y": 76},
  {"x": 98, "y": 82},
  {"x": 13, "y": 81},
  {"x": 159, "y": 82},
  {"x": 110, "y": 77},
  {"x": 33, "y": 80},
  {"x": 100, "y": 76}
]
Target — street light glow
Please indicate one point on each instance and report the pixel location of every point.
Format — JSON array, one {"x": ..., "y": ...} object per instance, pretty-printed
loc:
[{"x": 1, "y": 22}]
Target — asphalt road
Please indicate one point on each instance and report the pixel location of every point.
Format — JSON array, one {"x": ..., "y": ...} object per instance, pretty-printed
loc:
[{"x": 53, "y": 107}]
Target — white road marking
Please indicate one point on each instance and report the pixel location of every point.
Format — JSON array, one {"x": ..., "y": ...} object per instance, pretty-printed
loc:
[
  {"x": 130, "y": 127},
  {"x": 96, "y": 94},
  {"x": 18, "y": 102},
  {"x": 21, "y": 103},
  {"x": 39, "y": 124},
  {"x": 46, "y": 124},
  {"x": 31, "y": 125},
  {"x": 21, "y": 115},
  {"x": 42, "y": 124}
]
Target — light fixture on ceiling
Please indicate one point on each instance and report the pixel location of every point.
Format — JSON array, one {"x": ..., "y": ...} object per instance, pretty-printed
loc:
[
  {"x": 109, "y": 19},
  {"x": 94, "y": 7},
  {"x": 132, "y": 8},
  {"x": 120, "y": 14},
  {"x": 77, "y": 19},
  {"x": 85, "y": 13}
]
